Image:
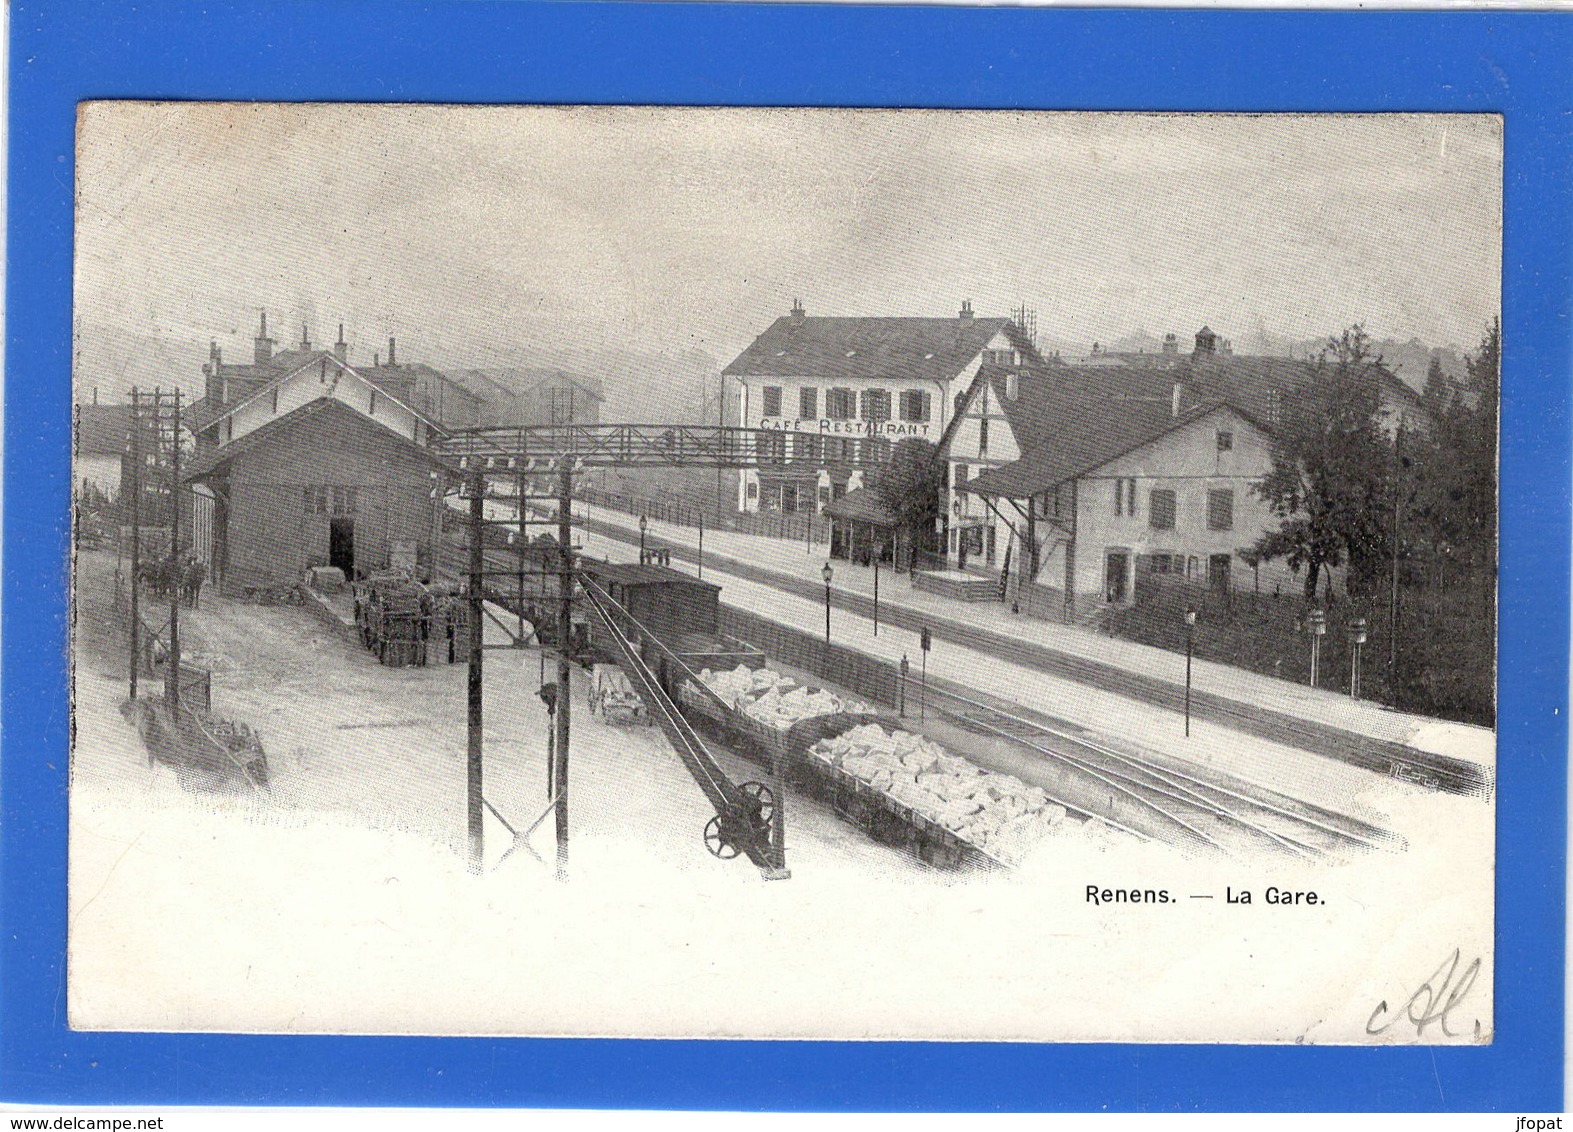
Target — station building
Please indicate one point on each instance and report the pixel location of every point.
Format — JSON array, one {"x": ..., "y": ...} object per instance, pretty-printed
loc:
[
  {"x": 859, "y": 386},
  {"x": 303, "y": 459}
]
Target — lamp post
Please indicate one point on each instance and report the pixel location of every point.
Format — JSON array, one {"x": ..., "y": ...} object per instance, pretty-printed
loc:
[
  {"x": 644, "y": 525},
  {"x": 1357, "y": 638},
  {"x": 1190, "y": 627},
  {"x": 827, "y": 573},
  {"x": 1316, "y": 626},
  {"x": 879, "y": 550}
]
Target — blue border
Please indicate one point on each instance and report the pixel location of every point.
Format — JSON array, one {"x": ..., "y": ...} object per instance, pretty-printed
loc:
[{"x": 1516, "y": 64}]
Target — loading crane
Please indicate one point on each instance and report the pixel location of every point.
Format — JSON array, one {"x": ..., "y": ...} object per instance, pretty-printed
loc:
[{"x": 750, "y": 818}]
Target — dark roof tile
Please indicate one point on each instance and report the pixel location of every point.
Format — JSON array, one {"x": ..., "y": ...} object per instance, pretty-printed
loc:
[{"x": 866, "y": 348}]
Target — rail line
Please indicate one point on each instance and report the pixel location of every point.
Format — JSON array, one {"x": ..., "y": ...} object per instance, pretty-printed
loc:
[{"x": 1202, "y": 812}]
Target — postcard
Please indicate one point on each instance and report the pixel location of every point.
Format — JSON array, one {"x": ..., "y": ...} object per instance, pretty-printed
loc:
[{"x": 784, "y": 573}]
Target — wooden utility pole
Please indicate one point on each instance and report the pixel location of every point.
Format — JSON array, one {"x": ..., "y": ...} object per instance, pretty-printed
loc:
[
  {"x": 175, "y": 574},
  {"x": 472, "y": 794},
  {"x": 564, "y": 632},
  {"x": 136, "y": 534}
]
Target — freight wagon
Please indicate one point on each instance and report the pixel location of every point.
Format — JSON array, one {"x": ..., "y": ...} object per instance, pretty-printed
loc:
[{"x": 796, "y": 752}]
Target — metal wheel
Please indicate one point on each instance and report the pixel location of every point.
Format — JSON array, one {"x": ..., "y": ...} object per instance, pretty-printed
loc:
[
  {"x": 766, "y": 798},
  {"x": 718, "y": 845}
]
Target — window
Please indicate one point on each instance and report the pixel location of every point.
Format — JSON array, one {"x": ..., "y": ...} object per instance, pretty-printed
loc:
[
  {"x": 808, "y": 447},
  {"x": 770, "y": 401},
  {"x": 1161, "y": 564},
  {"x": 958, "y": 475},
  {"x": 1012, "y": 386},
  {"x": 1002, "y": 357},
  {"x": 838, "y": 404},
  {"x": 344, "y": 501},
  {"x": 770, "y": 497},
  {"x": 958, "y": 403},
  {"x": 1161, "y": 509},
  {"x": 753, "y": 490},
  {"x": 789, "y": 498},
  {"x": 1125, "y": 497},
  {"x": 983, "y": 437},
  {"x": 878, "y": 449},
  {"x": 1225, "y": 440},
  {"x": 876, "y": 404},
  {"x": 1220, "y": 510},
  {"x": 808, "y": 403},
  {"x": 329, "y": 500},
  {"x": 915, "y": 405}
]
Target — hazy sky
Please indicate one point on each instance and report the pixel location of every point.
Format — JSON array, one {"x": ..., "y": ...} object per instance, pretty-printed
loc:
[{"x": 671, "y": 228}]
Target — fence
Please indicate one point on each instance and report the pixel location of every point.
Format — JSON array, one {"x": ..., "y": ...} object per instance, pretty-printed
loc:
[
  {"x": 871, "y": 679},
  {"x": 800, "y": 526}
]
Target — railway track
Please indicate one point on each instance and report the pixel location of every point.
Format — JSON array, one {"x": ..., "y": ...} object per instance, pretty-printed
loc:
[{"x": 1178, "y": 805}]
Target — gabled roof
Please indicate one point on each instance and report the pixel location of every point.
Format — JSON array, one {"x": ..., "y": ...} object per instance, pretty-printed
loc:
[
  {"x": 213, "y": 460},
  {"x": 302, "y": 360},
  {"x": 1086, "y": 441},
  {"x": 835, "y": 349},
  {"x": 861, "y": 505},
  {"x": 518, "y": 381},
  {"x": 102, "y": 430}
]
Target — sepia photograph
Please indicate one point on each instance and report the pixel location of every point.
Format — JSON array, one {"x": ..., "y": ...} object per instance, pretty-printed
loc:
[{"x": 678, "y": 572}]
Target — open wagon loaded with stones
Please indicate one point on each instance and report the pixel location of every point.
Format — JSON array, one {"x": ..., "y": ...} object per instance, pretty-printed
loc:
[{"x": 901, "y": 788}]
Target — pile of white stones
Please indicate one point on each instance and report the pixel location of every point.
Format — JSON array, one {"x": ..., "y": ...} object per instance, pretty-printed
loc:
[
  {"x": 997, "y": 812},
  {"x": 775, "y": 700}
]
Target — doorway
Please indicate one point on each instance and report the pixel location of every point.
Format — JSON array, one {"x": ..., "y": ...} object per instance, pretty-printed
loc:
[
  {"x": 1218, "y": 572},
  {"x": 1116, "y": 576},
  {"x": 341, "y": 545}
]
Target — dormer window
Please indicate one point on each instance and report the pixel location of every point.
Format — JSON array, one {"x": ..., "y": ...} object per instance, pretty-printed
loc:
[{"x": 1012, "y": 386}]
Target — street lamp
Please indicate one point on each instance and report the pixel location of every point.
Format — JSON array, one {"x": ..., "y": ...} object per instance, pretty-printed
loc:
[
  {"x": 1190, "y": 627},
  {"x": 644, "y": 525},
  {"x": 879, "y": 550},
  {"x": 1357, "y": 638},
  {"x": 1316, "y": 626},
  {"x": 827, "y": 573}
]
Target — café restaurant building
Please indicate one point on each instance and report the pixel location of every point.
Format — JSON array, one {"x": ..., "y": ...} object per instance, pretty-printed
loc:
[{"x": 856, "y": 387}]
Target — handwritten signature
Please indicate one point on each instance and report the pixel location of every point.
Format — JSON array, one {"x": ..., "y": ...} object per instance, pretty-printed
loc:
[{"x": 1432, "y": 1002}]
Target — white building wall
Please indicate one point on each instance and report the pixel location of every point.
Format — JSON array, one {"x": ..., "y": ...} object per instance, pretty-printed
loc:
[
  {"x": 1189, "y": 463},
  {"x": 312, "y": 383}
]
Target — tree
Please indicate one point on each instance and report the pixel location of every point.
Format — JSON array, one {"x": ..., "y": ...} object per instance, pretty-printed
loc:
[
  {"x": 909, "y": 488},
  {"x": 1456, "y": 495},
  {"x": 1330, "y": 480}
]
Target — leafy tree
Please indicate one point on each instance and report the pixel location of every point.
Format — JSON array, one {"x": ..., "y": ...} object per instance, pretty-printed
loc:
[
  {"x": 1330, "y": 480},
  {"x": 909, "y": 488},
  {"x": 1456, "y": 493}
]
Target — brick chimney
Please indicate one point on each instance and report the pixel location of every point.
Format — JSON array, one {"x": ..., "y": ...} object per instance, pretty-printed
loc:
[
  {"x": 262, "y": 344},
  {"x": 305, "y": 339},
  {"x": 798, "y": 313},
  {"x": 341, "y": 349},
  {"x": 393, "y": 357},
  {"x": 966, "y": 310},
  {"x": 1171, "y": 344},
  {"x": 1206, "y": 343}
]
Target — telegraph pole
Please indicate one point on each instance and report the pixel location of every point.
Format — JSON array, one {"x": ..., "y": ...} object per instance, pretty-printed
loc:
[
  {"x": 175, "y": 573},
  {"x": 472, "y": 796},
  {"x": 136, "y": 534},
  {"x": 564, "y": 671}
]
